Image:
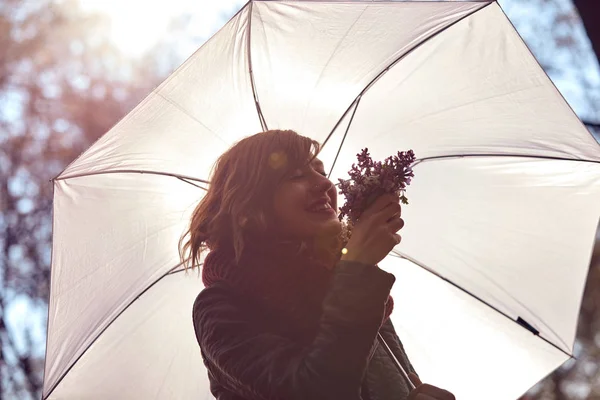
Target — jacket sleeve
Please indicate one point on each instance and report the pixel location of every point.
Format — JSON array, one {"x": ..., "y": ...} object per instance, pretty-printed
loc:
[
  {"x": 257, "y": 364},
  {"x": 388, "y": 331}
]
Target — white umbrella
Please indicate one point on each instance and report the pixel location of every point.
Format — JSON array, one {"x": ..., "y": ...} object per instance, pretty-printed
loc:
[{"x": 498, "y": 235}]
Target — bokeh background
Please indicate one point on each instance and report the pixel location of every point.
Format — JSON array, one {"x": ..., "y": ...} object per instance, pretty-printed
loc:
[{"x": 70, "y": 69}]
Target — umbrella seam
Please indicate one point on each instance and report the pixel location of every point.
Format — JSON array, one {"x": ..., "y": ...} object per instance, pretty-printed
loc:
[
  {"x": 334, "y": 53},
  {"x": 185, "y": 112}
]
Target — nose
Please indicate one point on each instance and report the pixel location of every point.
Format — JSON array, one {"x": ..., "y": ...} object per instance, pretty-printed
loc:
[{"x": 323, "y": 185}]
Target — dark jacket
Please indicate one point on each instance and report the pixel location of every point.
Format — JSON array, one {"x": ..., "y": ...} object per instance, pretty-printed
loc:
[{"x": 252, "y": 354}]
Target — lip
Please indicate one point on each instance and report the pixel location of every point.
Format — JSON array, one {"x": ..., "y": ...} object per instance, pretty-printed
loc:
[
  {"x": 330, "y": 212},
  {"x": 321, "y": 200}
]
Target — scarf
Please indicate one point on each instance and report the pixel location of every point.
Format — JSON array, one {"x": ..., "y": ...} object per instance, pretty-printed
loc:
[{"x": 279, "y": 276}]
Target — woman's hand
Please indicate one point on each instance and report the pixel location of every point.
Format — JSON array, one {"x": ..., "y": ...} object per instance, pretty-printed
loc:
[
  {"x": 374, "y": 234},
  {"x": 427, "y": 392}
]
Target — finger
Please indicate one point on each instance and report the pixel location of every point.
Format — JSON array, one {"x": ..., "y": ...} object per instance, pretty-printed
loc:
[
  {"x": 388, "y": 212},
  {"x": 422, "y": 396},
  {"x": 436, "y": 392},
  {"x": 382, "y": 202},
  {"x": 415, "y": 379},
  {"x": 417, "y": 395},
  {"x": 395, "y": 224},
  {"x": 397, "y": 214}
]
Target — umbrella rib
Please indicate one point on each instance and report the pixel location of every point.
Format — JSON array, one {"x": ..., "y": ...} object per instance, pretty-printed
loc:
[
  {"x": 169, "y": 272},
  {"x": 396, "y": 61},
  {"x": 489, "y": 155},
  {"x": 193, "y": 184},
  {"x": 263, "y": 122},
  {"x": 184, "y": 178},
  {"x": 343, "y": 139},
  {"x": 420, "y": 160},
  {"x": 423, "y": 266}
]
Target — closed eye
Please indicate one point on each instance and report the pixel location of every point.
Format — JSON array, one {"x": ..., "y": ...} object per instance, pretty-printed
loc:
[
  {"x": 300, "y": 174},
  {"x": 296, "y": 175}
]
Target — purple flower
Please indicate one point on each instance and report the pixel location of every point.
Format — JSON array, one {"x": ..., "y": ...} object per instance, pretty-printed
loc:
[{"x": 369, "y": 179}]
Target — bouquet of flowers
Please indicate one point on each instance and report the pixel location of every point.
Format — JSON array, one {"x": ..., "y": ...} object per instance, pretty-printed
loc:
[{"x": 369, "y": 180}]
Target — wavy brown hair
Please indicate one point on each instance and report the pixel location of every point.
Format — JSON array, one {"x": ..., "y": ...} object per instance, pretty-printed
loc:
[{"x": 237, "y": 204}]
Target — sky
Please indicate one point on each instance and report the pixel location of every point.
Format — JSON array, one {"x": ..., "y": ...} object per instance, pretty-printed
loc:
[{"x": 153, "y": 19}]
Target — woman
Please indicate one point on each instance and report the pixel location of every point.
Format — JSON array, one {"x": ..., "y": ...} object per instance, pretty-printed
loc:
[{"x": 284, "y": 315}]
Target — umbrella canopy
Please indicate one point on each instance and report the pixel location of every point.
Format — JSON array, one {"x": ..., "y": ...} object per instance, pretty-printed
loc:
[{"x": 498, "y": 234}]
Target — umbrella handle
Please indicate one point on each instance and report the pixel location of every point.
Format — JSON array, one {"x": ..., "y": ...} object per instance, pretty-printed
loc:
[{"x": 389, "y": 351}]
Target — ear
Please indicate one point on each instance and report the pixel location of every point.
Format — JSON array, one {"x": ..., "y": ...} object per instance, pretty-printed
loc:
[{"x": 257, "y": 221}]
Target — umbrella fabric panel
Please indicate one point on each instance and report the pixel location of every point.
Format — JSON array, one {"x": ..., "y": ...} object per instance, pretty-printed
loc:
[
  {"x": 134, "y": 361},
  {"x": 473, "y": 89},
  {"x": 513, "y": 231},
  {"x": 149, "y": 352},
  {"x": 509, "y": 230},
  {"x": 460, "y": 344},
  {"x": 145, "y": 353},
  {"x": 190, "y": 119},
  {"x": 517, "y": 233},
  {"x": 208, "y": 104},
  {"x": 311, "y": 59},
  {"x": 114, "y": 236}
]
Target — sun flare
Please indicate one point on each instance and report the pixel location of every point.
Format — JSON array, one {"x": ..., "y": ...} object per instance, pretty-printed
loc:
[{"x": 137, "y": 25}]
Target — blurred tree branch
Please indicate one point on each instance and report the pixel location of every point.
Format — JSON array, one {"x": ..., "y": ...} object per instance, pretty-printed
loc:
[
  {"x": 589, "y": 11},
  {"x": 589, "y": 124},
  {"x": 61, "y": 87}
]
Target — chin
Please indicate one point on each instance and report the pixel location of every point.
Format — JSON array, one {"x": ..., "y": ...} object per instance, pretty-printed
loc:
[{"x": 331, "y": 227}]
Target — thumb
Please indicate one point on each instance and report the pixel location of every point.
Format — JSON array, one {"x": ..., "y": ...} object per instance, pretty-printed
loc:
[{"x": 415, "y": 379}]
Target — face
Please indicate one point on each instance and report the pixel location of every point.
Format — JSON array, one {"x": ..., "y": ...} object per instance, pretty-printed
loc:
[{"x": 305, "y": 203}]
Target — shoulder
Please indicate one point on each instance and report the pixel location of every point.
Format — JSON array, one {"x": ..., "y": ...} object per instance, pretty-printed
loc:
[
  {"x": 216, "y": 291},
  {"x": 218, "y": 295},
  {"x": 214, "y": 307},
  {"x": 221, "y": 304}
]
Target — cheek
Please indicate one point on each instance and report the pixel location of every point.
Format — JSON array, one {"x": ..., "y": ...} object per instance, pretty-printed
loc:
[{"x": 289, "y": 200}]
